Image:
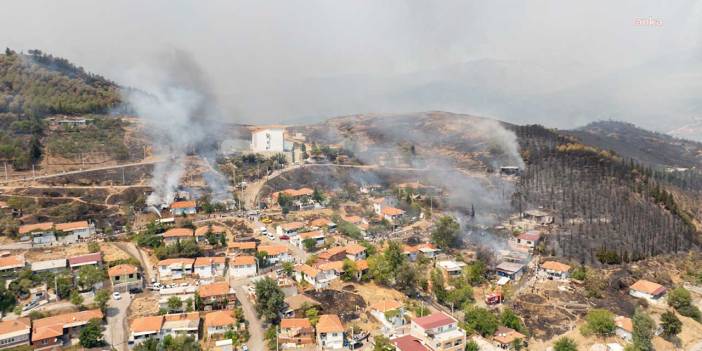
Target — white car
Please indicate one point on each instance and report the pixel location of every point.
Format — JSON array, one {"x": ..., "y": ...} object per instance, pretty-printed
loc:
[{"x": 116, "y": 295}]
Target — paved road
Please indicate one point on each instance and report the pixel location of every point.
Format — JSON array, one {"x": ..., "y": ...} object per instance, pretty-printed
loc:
[
  {"x": 116, "y": 332},
  {"x": 256, "y": 332}
]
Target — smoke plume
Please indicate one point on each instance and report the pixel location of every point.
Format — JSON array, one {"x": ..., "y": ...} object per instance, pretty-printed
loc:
[{"x": 180, "y": 116}]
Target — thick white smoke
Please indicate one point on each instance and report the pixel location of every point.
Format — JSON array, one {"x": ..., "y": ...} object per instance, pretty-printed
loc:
[{"x": 180, "y": 117}]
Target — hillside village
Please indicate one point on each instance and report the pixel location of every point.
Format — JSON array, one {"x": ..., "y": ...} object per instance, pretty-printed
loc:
[{"x": 310, "y": 264}]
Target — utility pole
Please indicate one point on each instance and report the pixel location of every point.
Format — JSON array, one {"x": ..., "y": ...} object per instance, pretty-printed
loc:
[
  {"x": 124, "y": 182},
  {"x": 5, "y": 170},
  {"x": 34, "y": 175}
]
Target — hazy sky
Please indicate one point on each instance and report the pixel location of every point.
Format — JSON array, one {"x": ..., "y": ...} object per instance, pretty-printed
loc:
[{"x": 561, "y": 63}]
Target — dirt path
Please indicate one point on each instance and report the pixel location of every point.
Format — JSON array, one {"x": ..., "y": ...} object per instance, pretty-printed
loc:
[
  {"x": 137, "y": 253},
  {"x": 48, "y": 176}
]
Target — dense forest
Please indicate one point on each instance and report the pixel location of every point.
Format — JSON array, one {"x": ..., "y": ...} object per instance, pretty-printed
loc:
[
  {"x": 609, "y": 209},
  {"x": 35, "y": 85}
]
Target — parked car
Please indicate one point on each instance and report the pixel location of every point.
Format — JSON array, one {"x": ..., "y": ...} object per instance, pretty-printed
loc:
[
  {"x": 284, "y": 237},
  {"x": 135, "y": 290},
  {"x": 116, "y": 295}
]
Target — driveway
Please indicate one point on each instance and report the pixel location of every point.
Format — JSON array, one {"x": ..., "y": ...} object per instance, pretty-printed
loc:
[
  {"x": 256, "y": 332},
  {"x": 116, "y": 332}
]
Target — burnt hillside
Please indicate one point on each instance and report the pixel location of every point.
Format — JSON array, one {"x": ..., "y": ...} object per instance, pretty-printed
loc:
[{"x": 610, "y": 209}]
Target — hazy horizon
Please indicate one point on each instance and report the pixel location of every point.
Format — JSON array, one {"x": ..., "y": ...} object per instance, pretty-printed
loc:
[{"x": 559, "y": 64}]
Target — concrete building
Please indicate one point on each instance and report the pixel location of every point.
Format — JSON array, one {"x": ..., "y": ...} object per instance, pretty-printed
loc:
[
  {"x": 175, "y": 268},
  {"x": 330, "y": 332},
  {"x": 268, "y": 140},
  {"x": 625, "y": 328},
  {"x": 296, "y": 333},
  {"x": 158, "y": 327},
  {"x": 12, "y": 263},
  {"x": 275, "y": 253},
  {"x": 243, "y": 266},
  {"x": 53, "y": 266},
  {"x": 74, "y": 232},
  {"x": 93, "y": 259},
  {"x": 645, "y": 289},
  {"x": 217, "y": 296},
  {"x": 183, "y": 208},
  {"x": 390, "y": 314},
  {"x": 124, "y": 277},
  {"x": 510, "y": 270},
  {"x": 42, "y": 234},
  {"x": 555, "y": 270},
  {"x": 174, "y": 235},
  {"x": 208, "y": 267},
  {"x": 505, "y": 338},
  {"x": 316, "y": 235},
  {"x": 57, "y": 331},
  {"x": 15, "y": 332},
  {"x": 218, "y": 323},
  {"x": 438, "y": 332},
  {"x": 317, "y": 278}
]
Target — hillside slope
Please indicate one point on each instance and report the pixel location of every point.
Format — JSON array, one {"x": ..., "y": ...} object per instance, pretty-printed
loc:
[
  {"x": 36, "y": 85},
  {"x": 650, "y": 148}
]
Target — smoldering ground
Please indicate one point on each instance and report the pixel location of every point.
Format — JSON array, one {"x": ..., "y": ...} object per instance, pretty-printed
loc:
[{"x": 180, "y": 115}]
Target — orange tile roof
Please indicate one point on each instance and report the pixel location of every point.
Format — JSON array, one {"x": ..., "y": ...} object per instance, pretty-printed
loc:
[
  {"x": 14, "y": 326},
  {"x": 386, "y": 305},
  {"x": 311, "y": 235},
  {"x": 72, "y": 226},
  {"x": 624, "y": 323},
  {"x": 292, "y": 225},
  {"x": 181, "y": 261},
  {"x": 332, "y": 266},
  {"x": 362, "y": 265},
  {"x": 273, "y": 250},
  {"x": 242, "y": 245},
  {"x": 208, "y": 261},
  {"x": 178, "y": 232},
  {"x": 307, "y": 270},
  {"x": 191, "y": 316},
  {"x": 505, "y": 335},
  {"x": 216, "y": 229},
  {"x": 214, "y": 289},
  {"x": 392, "y": 211},
  {"x": 184, "y": 204},
  {"x": 319, "y": 222},
  {"x": 648, "y": 287},
  {"x": 354, "y": 249},
  {"x": 219, "y": 319},
  {"x": 416, "y": 248},
  {"x": 329, "y": 323},
  {"x": 295, "y": 323},
  {"x": 328, "y": 254},
  {"x": 53, "y": 326},
  {"x": 243, "y": 261},
  {"x": 147, "y": 324},
  {"x": 121, "y": 269},
  {"x": 12, "y": 262},
  {"x": 28, "y": 228},
  {"x": 352, "y": 219},
  {"x": 555, "y": 266}
]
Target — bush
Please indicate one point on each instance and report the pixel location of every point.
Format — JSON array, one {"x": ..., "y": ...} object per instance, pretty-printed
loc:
[{"x": 599, "y": 322}]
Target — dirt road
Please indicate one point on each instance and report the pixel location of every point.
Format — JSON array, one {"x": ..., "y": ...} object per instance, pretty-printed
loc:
[
  {"x": 137, "y": 253},
  {"x": 48, "y": 176}
]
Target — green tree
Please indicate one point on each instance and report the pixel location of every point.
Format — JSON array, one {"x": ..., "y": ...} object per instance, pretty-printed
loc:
[
  {"x": 599, "y": 322},
  {"x": 350, "y": 270},
  {"x": 93, "y": 247},
  {"x": 91, "y": 334},
  {"x": 438, "y": 286},
  {"x": 270, "y": 336},
  {"x": 35, "y": 149},
  {"x": 76, "y": 298},
  {"x": 480, "y": 320},
  {"x": 150, "y": 344},
  {"x": 382, "y": 343},
  {"x": 313, "y": 315},
  {"x": 90, "y": 275},
  {"x": 471, "y": 345},
  {"x": 288, "y": 268},
  {"x": 445, "y": 233},
  {"x": 269, "y": 299},
  {"x": 175, "y": 303},
  {"x": 318, "y": 196},
  {"x": 510, "y": 319},
  {"x": 670, "y": 323},
  {"x": 680, "y": 299},
  {"x": 565, "y": 344},
  {"x": 309, "y": 244},
  {"x": 474, "y": 273},
  {"x": 102, "y": 297},
  {"x": 643, "y": 331}
]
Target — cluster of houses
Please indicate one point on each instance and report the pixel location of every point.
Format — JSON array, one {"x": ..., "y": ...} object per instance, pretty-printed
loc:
[
  {"x": 49, "y": 234},
  {"x": 45, "y": 333},
  {"x": 330, "y": 265}
]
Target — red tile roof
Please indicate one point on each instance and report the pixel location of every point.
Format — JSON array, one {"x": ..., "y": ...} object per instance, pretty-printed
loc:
[
  {"x": 184, "y": 204},
  {"x": 83, "y": 259},
  {"x": 178, "y": 232},
  {"x": 408, "y": 343},
  {"x": 434, "y": 320},
  {"x": 121, "y": 269},
  {"x": 72, "y": 226},
  {"x": 28, "y": 228}
]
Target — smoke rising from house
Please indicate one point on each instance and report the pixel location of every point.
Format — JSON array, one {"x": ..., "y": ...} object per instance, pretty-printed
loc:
[{"x": 180, "y": 115}]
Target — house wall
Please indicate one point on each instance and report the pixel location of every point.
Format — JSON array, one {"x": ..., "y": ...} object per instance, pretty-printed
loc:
[
  {"x": 268, "y": 140},
  {"x": 244, "y": 271},
  {"x": 623, "y": 334},
  {"x": 330, "y": 340},
  {"x": 16, "y": 340}
]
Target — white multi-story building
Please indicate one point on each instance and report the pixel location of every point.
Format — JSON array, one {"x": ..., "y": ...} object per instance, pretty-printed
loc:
[
  {"x": 268, "y": 140},
  {"x": 158, "y": 327},
  {"x": 330, "y": 332},
  {"x": 439, "y": 332}
]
